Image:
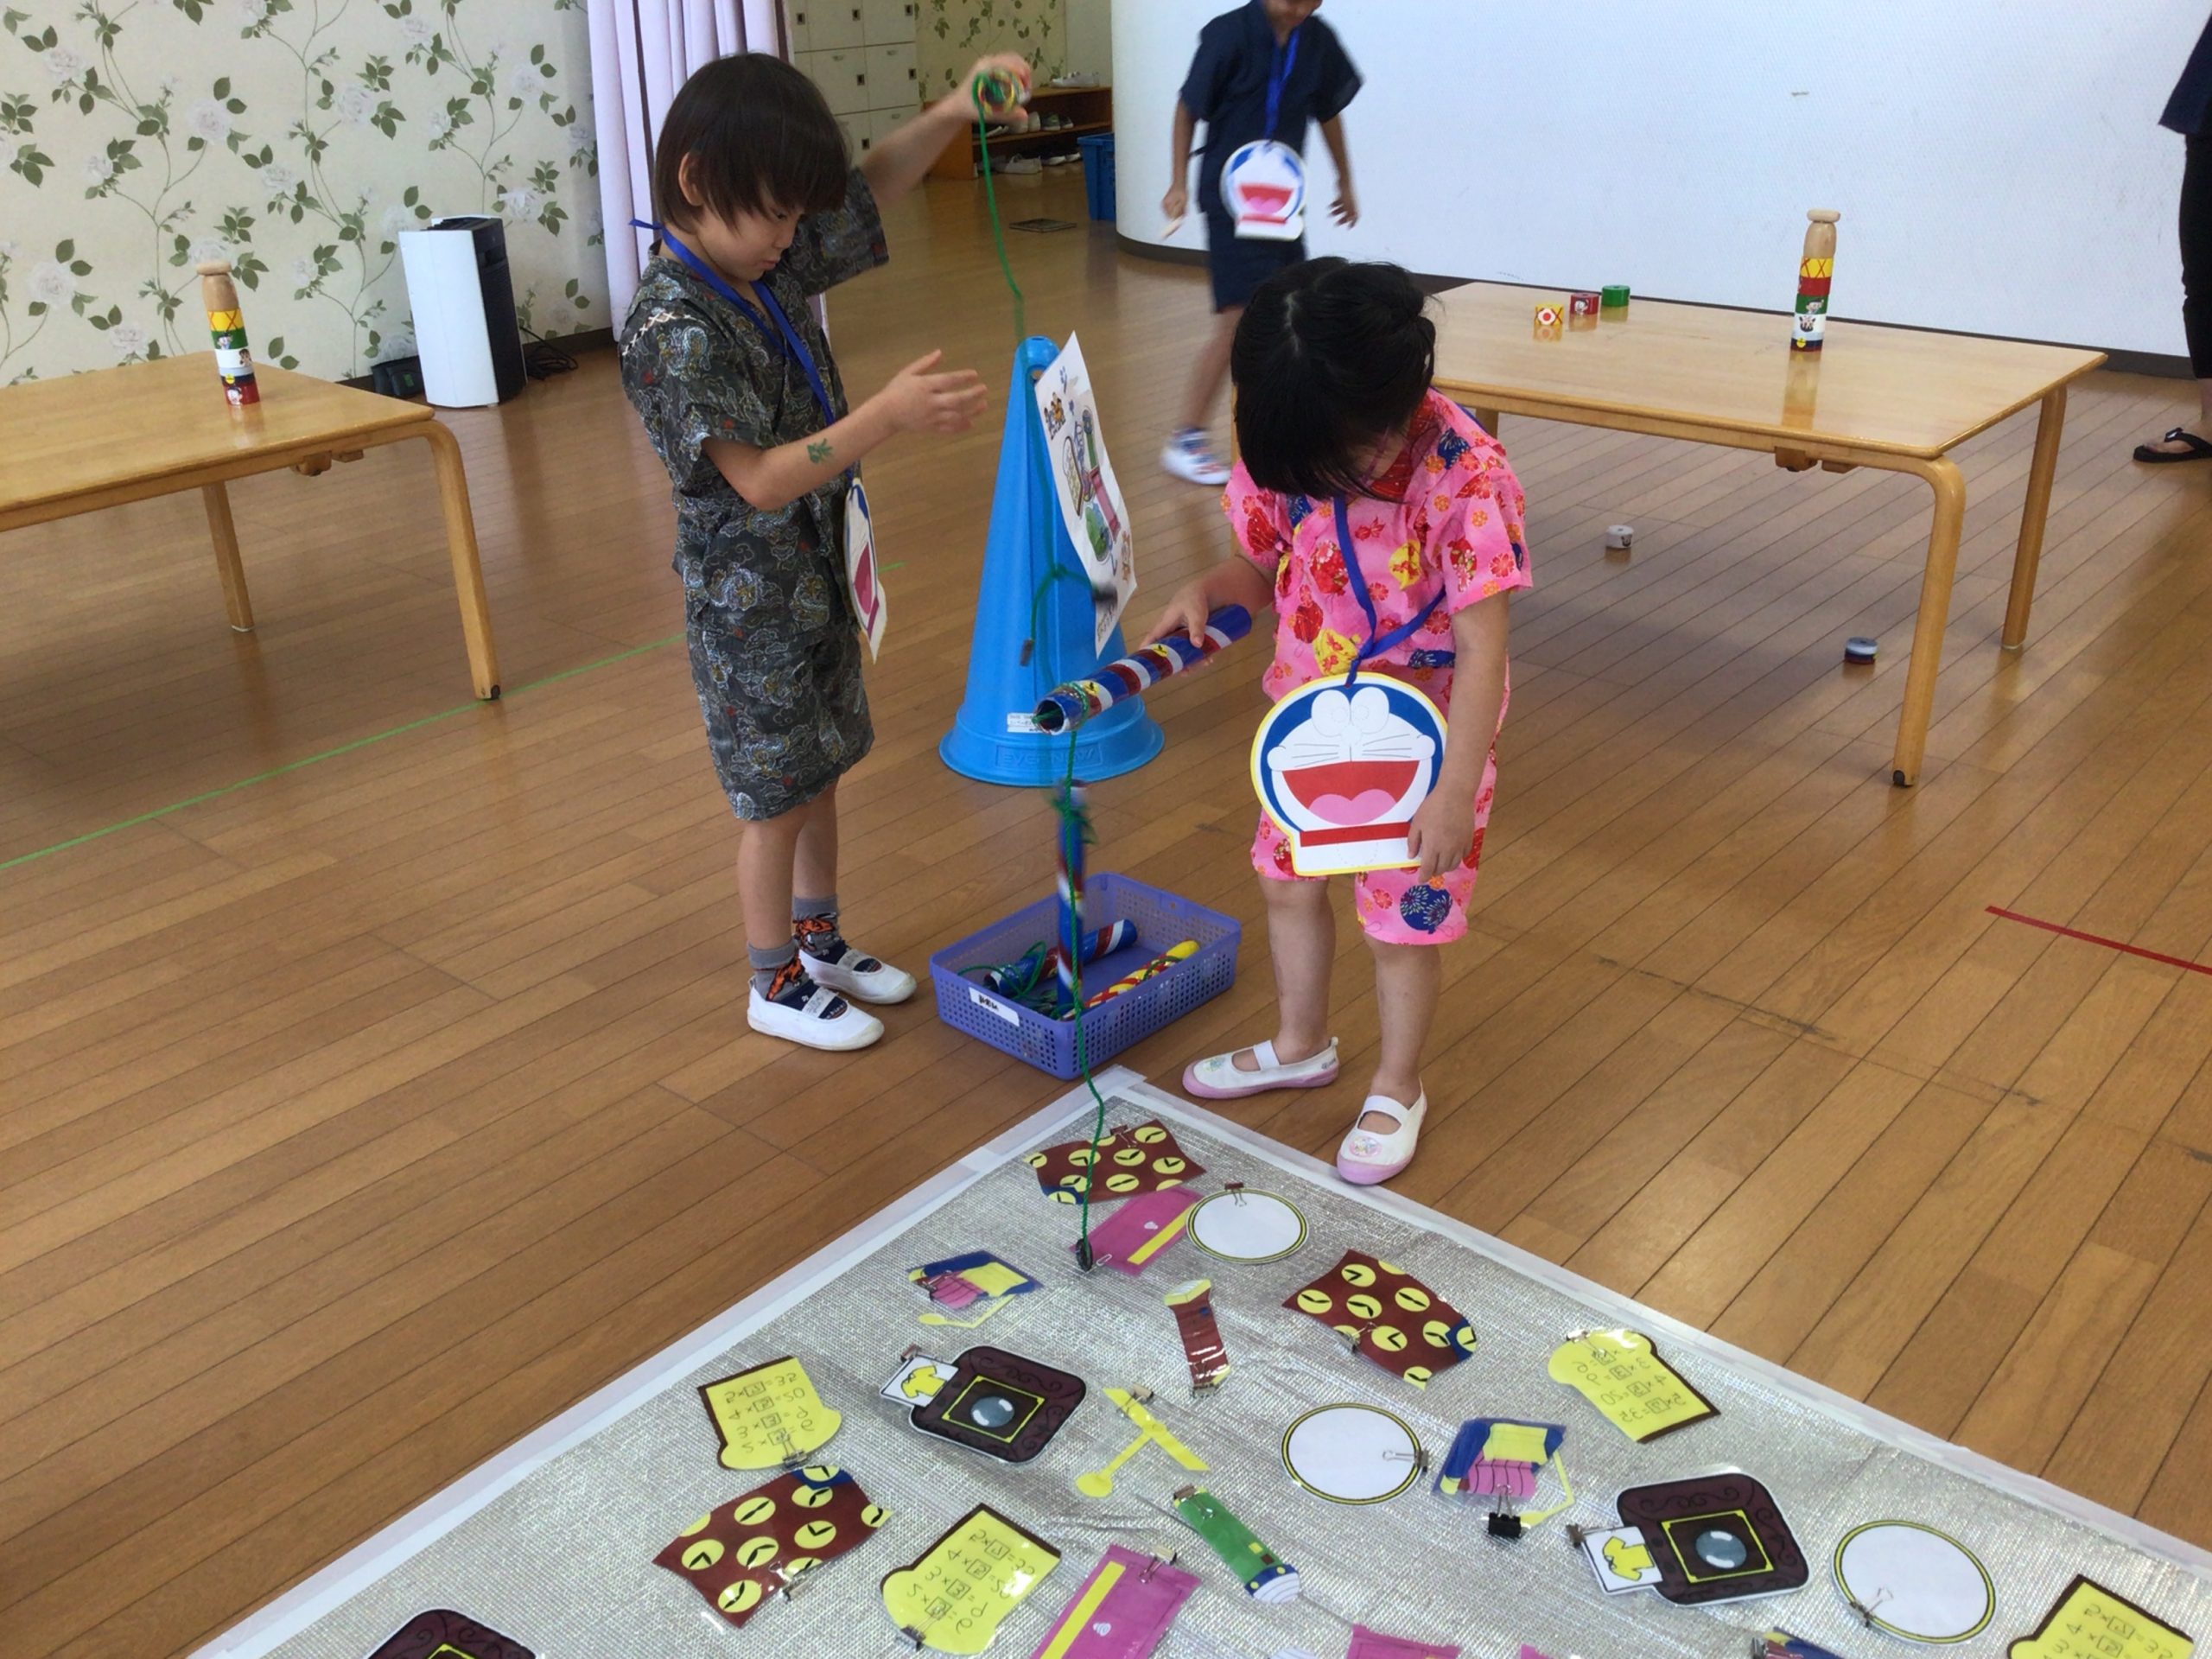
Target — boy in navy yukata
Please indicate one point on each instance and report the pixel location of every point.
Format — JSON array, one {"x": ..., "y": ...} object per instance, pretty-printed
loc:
[{"x": 1267, "y": 56}]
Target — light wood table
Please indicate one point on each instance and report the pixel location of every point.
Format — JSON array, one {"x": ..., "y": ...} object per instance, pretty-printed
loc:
[
  {"x": 99, "y": 440},
  {"x": 1900, "y": 399}
]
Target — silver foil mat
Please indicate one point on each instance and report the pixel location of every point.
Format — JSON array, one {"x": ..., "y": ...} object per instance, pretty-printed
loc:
[{"x": 563, "y": 1560}]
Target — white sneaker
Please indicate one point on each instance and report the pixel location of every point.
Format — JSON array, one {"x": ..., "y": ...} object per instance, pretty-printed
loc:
[
  {"x": 1190, "y": 457},
  {"x": 806, "y": 1013},
  {"x": 862, "y": 978}
]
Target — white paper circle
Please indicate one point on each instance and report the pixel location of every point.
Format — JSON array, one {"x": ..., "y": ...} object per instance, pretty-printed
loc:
[
  {"x": 1247, "y": 1227},
  {"x": 1351, "y": 1454},
  {"x": 1915, "y": 1582}
]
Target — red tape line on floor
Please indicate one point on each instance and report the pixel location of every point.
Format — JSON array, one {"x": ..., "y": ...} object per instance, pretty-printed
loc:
[{"x": 2098, "y": 938}]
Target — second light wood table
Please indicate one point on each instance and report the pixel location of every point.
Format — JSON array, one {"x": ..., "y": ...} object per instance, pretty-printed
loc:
[
  {"x": 1899, "y": 399},
  {"x": 97, "y": 440}
]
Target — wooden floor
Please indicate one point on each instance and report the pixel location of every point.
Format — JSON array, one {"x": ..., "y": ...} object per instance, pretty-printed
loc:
[{"x": 354, "y": 1120}]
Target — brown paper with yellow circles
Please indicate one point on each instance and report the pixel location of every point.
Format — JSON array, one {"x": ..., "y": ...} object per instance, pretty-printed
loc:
[
  {"x": 1126, "y": 1162},
  {"x": 1389, "y": 1315}
]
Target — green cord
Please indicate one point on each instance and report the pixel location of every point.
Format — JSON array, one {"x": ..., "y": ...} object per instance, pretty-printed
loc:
[
  {"x": 1065, "y": 806},
  {"x": 991, "y": 195}
]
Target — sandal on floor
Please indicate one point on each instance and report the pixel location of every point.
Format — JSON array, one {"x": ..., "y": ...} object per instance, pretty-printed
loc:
[
  {"x": 1219, "y": 1078},
  {"x": 2194, "y": 448},
  {"x": 1367, "y": 1158}
]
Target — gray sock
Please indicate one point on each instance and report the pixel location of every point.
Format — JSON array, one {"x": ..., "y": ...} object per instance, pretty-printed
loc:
[
  {"x": 766, "y": 964},
  {"x": 804, "y": 908}
]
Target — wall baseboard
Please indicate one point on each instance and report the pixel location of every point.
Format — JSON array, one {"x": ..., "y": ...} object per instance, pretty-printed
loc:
[
  {"x": 2167, "y": 366},
  {"x": 591, "y": 340}
]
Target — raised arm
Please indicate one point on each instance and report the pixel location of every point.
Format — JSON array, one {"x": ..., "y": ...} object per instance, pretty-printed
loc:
[{"x": 897, "y": 163}]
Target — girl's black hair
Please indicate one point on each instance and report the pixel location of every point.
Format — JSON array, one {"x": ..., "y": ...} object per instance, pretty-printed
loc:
[
  {"x": 759, "y": 137},
  {"x": 1328, "y": 357}
]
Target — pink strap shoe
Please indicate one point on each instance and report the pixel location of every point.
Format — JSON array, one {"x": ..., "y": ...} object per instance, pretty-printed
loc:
[
  {"x": 1219, "y": 1078},
  {"x": 1367, "y": 1158}
]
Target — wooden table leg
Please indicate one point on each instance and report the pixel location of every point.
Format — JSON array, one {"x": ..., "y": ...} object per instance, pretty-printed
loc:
[
  {"x": 2032, "y": 518},
  {"x": 461, "y": 543},
  {"x": 1950, "y": 487},
  {"x": 1488, "y": 419},
  {"x": 225, "y": 534}
]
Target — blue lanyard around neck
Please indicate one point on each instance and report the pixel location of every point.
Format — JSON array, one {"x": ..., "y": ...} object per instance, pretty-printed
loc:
[
  {"x": 1286, "y": 56},
  {"x": 1397, "y": 636},
  {"x": 777, "y": 326}
]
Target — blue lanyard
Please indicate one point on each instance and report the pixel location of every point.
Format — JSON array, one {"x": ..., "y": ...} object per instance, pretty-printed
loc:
[
  {"x": 1278, "y": 76},
  {"x": 781, "y": 336},
  {"x": 1397, "y": 636}
]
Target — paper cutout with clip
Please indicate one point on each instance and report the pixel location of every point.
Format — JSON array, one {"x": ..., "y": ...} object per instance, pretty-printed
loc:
[
  {"x": 440, "y": 1633},
  {"x": 1373, "y": 1644},
  {"x": 2090, "y": 1622},
  {"x": 1266, "y": 1576},
  {"x": 955, "y": 1597},
  {"x": 1912, "y": 1580},
  {"x": 740, "y": 1552},
  {"x": 965, "y": 1290},
  {"x": 1780, "y": 1644},
  {"x": 1501, "y": 1461},
  {"x": 769, "y": 1416},
  {"x": 1000, "y": 1404},
  {"x": 1130, "y": 1160},
  {"x": 1621, "y": 1374},
  {"x": 1135, "y": 1233},
  {"x": 1099, "y": 1483},
  {"x": 1122, "y": 1610},
  {"x": 1201, "y": 1332},
  {"x": 1388, "y": 1315},
  {"x": 1705, "y": 1539}
]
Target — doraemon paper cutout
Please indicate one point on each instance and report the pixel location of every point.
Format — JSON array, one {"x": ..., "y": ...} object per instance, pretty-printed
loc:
[
  {"x": 1341, "y": 766},
  {"x": 1083, "y": 480},
  {"x": 1263, "y": 187},
  {"x": 863, "y": 585}
]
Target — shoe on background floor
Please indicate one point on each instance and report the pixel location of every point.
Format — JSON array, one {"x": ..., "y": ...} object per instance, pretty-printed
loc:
[{"x": 1190, "y": 457}]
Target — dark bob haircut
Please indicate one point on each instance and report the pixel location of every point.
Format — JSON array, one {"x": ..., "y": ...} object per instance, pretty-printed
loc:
[
  {"x": 759, "y": 137},
  {"x": 1330, "y": 356}
]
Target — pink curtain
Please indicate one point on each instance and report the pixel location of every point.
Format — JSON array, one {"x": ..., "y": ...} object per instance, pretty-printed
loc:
[{"x": 641, "y": 52}]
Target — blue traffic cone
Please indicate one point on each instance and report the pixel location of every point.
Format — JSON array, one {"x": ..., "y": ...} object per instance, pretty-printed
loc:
[{"x": 993, "y": 737}]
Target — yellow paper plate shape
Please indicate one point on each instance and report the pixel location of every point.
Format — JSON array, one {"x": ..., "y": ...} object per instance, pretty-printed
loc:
[
  {"x": 1621, "y": 1374},
  {"x": 956, "y": 1596},
  {"x": 768, "y": 1416}
]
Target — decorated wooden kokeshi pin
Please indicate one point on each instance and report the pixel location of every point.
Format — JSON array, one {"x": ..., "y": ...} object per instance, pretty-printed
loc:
[
  {"x": 1815, "y": 270},
  {"x": 228, "y": 324}
]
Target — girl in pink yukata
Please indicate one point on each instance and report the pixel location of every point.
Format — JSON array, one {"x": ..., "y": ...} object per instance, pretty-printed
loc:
[{"x": 1338, "y": 425}]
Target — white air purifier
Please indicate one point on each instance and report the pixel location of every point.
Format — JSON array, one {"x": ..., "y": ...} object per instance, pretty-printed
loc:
[{"x": 463, "y": 298}]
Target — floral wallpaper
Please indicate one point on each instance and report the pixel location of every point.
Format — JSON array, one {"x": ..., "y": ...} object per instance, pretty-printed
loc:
[
  {"x": 296, "y": 138},
  {"x": 955, "y": 33}
]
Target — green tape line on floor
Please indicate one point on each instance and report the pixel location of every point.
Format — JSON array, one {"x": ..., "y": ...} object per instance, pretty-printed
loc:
[{"x": 325, "y": 754}]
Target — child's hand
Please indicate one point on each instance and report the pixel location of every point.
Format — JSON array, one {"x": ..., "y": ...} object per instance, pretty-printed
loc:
[
  {"x": 1007, "y": 63},
  {"x": 1443, "y": 833},
  {"x": 1185, "y": 613},
  {"x": 919, "y": 400},
  {"x": 1173, "y": 205},
  {"x": 1346, "y": 206}
]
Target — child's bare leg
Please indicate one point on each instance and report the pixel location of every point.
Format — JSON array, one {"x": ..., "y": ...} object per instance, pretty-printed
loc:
[
  {"x": 1302, "y": 944},
  {"x": 1406, "y": 981},
  {"x": 814, "y": 863},
  {"x": 765, "y": 857},
  {"x": 1211, "y": 370}
]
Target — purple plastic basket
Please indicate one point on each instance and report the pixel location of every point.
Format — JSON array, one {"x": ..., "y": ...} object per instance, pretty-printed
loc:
[{"x": 1161, "y": 919}]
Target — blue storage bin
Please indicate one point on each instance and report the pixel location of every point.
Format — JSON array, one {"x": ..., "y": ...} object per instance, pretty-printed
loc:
[
  {"x": 1161, "y": 918},
  {"x": 1098, "y": 179}
]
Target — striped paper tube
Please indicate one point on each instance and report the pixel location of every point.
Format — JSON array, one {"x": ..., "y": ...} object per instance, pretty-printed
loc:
[
  {"x": 1071, "y": 704},
  {"x": 1136, "y": 976}
]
